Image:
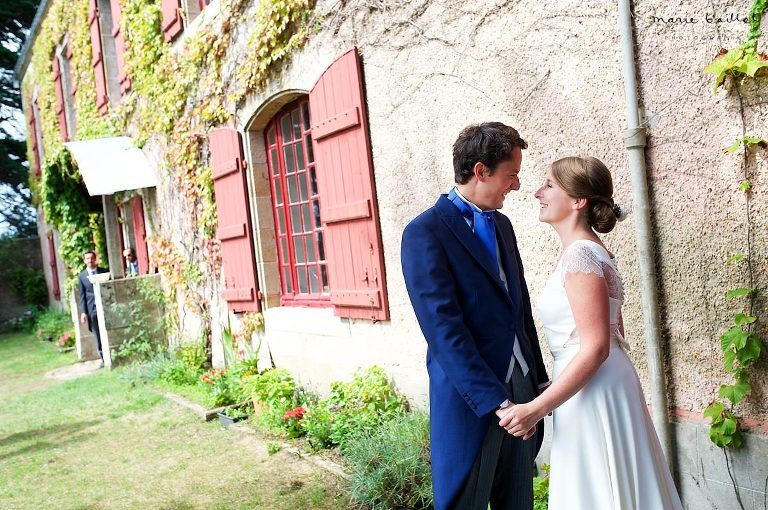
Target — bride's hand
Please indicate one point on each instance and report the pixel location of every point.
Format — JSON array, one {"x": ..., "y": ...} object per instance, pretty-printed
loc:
[{"x": 521, "y": 419}]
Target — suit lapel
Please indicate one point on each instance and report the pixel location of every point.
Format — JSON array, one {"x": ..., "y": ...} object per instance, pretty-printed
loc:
[
  {"x": 509, "y": 261},
  {"x": 466, "y": 238}
]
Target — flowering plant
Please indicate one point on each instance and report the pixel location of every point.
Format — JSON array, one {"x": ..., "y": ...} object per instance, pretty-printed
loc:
[
  {"x": 293, "y": 422},
  {"x": 212, "y": 375},
  {"x": 67, "y": 339}
]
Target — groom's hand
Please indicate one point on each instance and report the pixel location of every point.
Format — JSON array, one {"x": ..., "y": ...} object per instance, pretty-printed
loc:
[{"x": 519, "y": 420}]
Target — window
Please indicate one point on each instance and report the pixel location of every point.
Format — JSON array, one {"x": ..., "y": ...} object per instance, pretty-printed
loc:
[
  {"x": 104, "y": 30},
  {"x": 296, "y": 205}
]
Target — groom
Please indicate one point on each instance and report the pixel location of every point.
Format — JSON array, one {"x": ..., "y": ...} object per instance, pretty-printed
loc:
[{"x": 465, "y": 280}]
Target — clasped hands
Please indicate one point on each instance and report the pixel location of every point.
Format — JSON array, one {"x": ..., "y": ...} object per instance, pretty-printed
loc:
[{"x": 520, "y": 419}]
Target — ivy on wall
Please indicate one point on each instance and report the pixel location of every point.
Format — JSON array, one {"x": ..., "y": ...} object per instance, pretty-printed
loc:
[
  {"x": 740, "y": 346},
  {"x": 177, "y": 95}
]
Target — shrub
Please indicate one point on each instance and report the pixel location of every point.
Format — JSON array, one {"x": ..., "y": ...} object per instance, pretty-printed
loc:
[
  {"x": 353, "y": 408},
  {"x": 224, "y": 387},
  {"x": 390, "y": 466},
  {"x": 176, "y": 372},
  {"x": 195, "y": 355},
  {"x": 541, "y": 489},
  {"x": 51, "y": 324}
]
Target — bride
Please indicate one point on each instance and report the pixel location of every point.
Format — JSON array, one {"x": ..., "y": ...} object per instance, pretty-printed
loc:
[{"x": 605, "y": 453}]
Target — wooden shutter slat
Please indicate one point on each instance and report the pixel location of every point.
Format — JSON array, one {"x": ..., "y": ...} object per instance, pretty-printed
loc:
[
  {"x": 349, "y": 210},
  {"x": 140, "y": 233},
  {"x": 339, "y": 122},
  {"x": 360, "y": 298},
  {"x": 233, "y": 211},
  {"x": 227, "y": 167},
  {"x": 172, "y": 23},
  {"x": 346, "y": 212},
  {"x": 231, "y": 232}
]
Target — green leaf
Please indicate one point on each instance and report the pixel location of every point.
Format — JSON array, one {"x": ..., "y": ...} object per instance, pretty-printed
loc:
[
  {"x": 729, "y": 356},
  {"x": 740, "y": 292},
  {"x": 724, "y": 64},
  {"x": 736, "y": 257},
  {"x": 733, "y": 337},
  {"x": 734, "y": 147},
  {"x": 750, "y": 64},
  {"x": 745, "y": 185},
  {"x": 715, "y": 412},
  {"x": 734, "y": 392},
  {"x": 741, "y": 319},
  {"x": 751, "y": 351},
  {"x": 729, "y": 426}
]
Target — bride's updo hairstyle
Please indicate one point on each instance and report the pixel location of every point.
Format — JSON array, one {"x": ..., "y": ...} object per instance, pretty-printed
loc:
[{"x": 588, "y": 178}]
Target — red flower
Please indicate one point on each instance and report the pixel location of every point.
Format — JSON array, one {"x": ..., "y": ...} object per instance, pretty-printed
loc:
[{"x": 297, "y": 413}]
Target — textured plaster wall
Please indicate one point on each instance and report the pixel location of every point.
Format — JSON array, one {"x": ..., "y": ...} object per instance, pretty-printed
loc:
[{"x": 553, "y": 70}]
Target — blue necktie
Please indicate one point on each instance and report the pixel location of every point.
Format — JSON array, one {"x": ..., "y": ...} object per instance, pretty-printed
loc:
[{"x": 482, "y": 224}]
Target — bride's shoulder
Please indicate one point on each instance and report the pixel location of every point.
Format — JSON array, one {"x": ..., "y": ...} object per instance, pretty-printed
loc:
[{"x": 584, "y": 256}]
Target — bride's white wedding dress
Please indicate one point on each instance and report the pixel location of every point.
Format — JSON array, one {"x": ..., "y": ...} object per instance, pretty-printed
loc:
[{"x": 605, "y": 452}]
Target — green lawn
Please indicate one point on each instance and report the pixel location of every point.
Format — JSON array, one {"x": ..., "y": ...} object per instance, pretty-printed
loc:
[{"x": 98, "y": 442}]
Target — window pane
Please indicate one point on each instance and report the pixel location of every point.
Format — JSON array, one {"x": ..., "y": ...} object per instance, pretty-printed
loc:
[
  {"x": 295, "y": 219},
  {"x": 274, "y": 162},
  {"x": 271, "y": 136},
  {"x": 284, "y": 257},
  {"x": 324, "y": 276},
  {"x": 305, "y": 114},
  {"x": 313, "y": 180},
  {"x": 316, "y": 210},
  {"x": 310, "y": 152},
  {"x": 305, "y": 218},
  {"x": 281, "y": 220},
  {"x": 311, "y": 257},
  {"x": 320, "y": 249},
  {"x": 302, "y": 280},
  {"x": 303, "y": 187},
  {"x": 290, "y": 164},
  {"x": 285, "y": 128},
  {"x": 293, "y": 191},
  {"x": 296, "y": 125},
  {"x": 278, "y": 192},
  {"x": 298, "y": 250},
  {"x": 299, "y": 156},
  {"x": 314, "y": 283},
  {"x": 287, "y": 279}
]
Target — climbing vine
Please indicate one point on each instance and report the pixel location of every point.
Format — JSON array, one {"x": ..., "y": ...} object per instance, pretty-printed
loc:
[
  {"x": 740, "y": 346},
  {"x": 178, "y": 93},
  {"x": 66, "y": 207}
]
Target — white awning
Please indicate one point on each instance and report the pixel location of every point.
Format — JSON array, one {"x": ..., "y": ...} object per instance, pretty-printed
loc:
[{"x": 109, "y": 165}]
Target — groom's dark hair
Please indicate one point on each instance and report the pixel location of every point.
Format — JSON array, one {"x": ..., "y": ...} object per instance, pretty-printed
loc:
[{"x": 490, "y": 143}]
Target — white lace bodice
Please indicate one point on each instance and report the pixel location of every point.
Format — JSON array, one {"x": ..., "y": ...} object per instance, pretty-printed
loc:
[{"x": 582, "y": 256}]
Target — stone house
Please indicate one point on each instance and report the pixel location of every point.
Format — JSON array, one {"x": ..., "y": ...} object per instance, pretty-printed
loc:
[{"x": 318, "y": 163}]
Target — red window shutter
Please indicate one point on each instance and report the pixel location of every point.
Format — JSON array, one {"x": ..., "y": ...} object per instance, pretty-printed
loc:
[
  {"x": 117, "y": 33},
  {"x": 59, "y": 89},
  {"x": 56, "y": 290},
  {"x": 120, "y": 236},
  {"x": 97, "y": 62},
  {"x": 241, "y": 287},
  {"x": 172, "y": 22},
  {"x": 348, "y": 206},
  {"x": 33, "y": 141},
  {"x": 140, "y": 233}
]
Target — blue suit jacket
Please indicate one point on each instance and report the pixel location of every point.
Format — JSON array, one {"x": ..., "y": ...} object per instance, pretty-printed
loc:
[{"x": 469, "y": 320}]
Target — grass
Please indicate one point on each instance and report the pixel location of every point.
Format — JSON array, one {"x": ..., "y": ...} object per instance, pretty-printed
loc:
[{"x": 100, "y": 442}]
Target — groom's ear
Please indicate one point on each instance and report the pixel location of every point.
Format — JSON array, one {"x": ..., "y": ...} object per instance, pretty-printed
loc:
[
  {"x": 580, "y": 203},
  {"x": 479, "y": 171}
]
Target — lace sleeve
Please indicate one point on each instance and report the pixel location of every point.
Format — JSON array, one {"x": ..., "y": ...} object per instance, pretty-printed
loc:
[{"x": 579, "y": 258}]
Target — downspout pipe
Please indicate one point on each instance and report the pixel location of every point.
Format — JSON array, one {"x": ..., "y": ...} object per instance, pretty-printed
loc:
[{"x": 635, "y": 142}]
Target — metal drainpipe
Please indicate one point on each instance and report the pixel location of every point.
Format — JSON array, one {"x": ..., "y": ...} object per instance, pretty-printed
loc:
[{"x": 635, "y": 142}]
